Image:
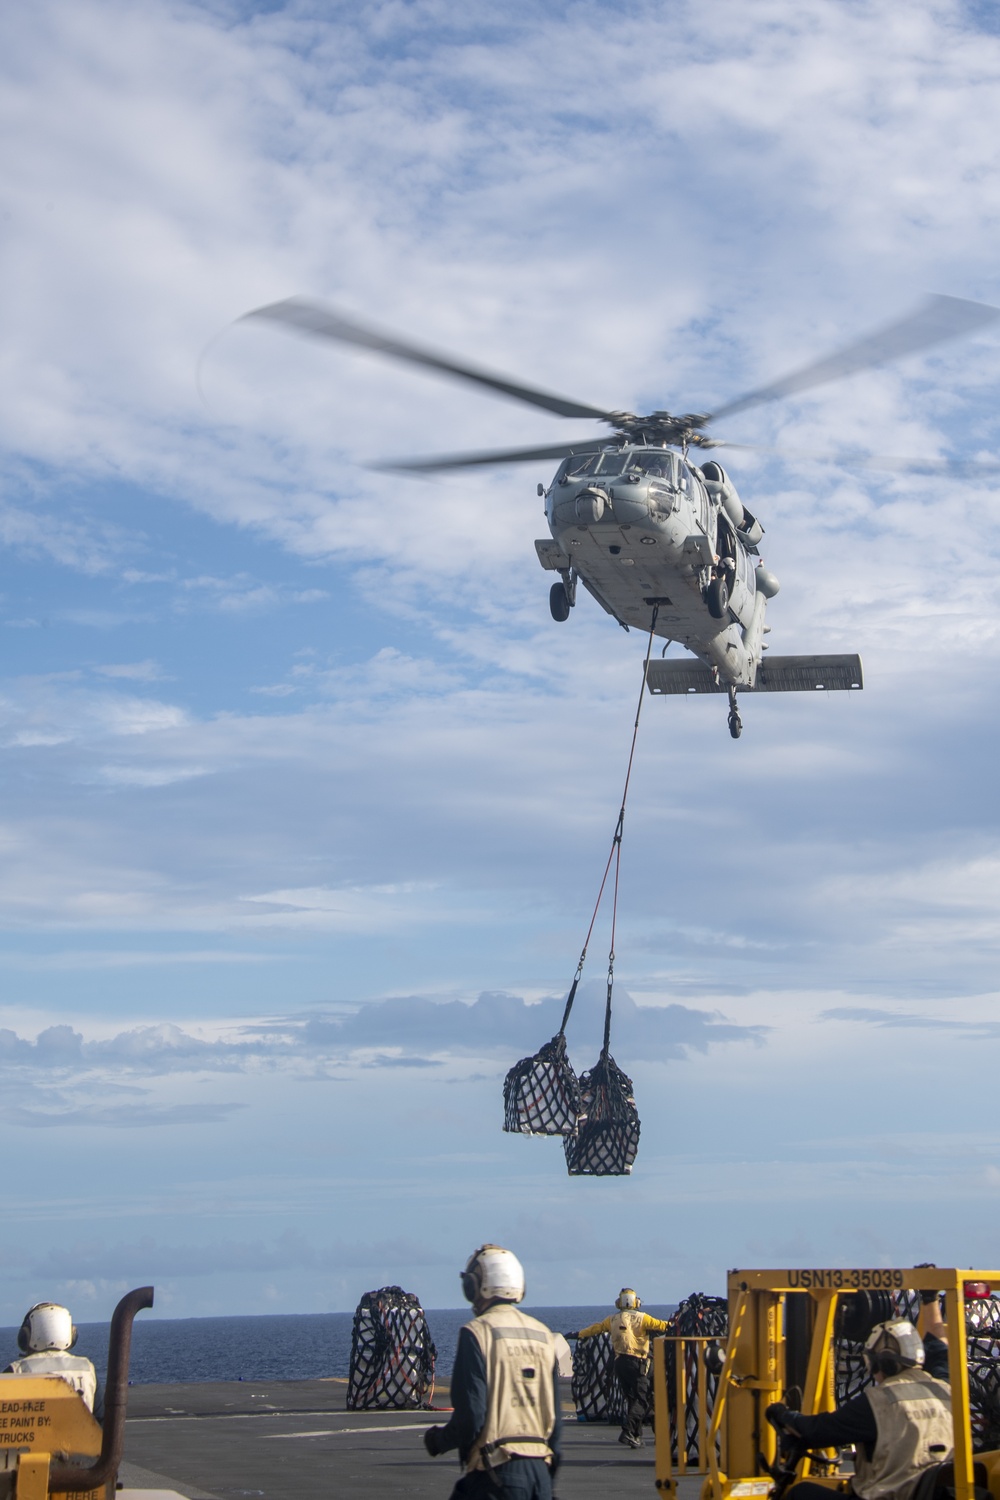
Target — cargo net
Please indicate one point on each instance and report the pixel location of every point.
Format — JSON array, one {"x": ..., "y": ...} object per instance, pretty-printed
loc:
[
  {"x": 696, "y": 1317},
  {"x": 982, "y": 1342},
  {"x": 541, "y": 1094},
  {"x": 596, "y": 1392},
  {"x": 607, "y": 1136},
  {"x": 856, "y": 1317},
  {"x": 392, "y": 1355}
]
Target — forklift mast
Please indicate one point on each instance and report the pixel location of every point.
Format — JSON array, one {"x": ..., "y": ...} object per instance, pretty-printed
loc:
[{"x": 781, "y": 1347}]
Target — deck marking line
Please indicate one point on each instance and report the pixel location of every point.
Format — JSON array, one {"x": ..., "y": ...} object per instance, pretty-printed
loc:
[{"x": 336, "y": 1431}]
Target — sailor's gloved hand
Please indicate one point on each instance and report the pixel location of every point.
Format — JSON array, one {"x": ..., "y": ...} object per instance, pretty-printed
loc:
[
  {"x": 927, "y": 1297},
  {"x": 571, "y": 1335},
  {"x": 432, "y": 1441},
  {"x": 778, "y": 1414}
]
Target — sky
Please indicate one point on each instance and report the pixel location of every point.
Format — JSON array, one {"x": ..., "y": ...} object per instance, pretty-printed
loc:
[{"x": 305, "y": 797}]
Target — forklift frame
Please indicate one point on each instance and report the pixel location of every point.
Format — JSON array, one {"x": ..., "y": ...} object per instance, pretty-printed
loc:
[{"x": 781, "y": 1333}]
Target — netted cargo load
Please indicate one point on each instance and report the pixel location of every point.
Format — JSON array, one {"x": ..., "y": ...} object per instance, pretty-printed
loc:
[
  {"x": 857, "y": 1315},
  {"x": 392, "y": 1354},
  {"x": 607, "y": 1136},
  {"x": 696, "y": 1317},
  {"x": 982, "y": 1342},
  {"x": 596, "y": 1392},
  {"x": 541, "y": 1094}
]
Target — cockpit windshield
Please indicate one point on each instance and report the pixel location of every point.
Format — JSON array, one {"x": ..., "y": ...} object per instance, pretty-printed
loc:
[
  {"x": 583, "y": 465},
  {"x": 657, "y": 462},
  {"x": 580, "y": 465}
]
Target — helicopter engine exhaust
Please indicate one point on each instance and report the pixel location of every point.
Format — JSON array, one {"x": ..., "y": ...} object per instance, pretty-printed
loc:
[{"x": 721, "y": 488}]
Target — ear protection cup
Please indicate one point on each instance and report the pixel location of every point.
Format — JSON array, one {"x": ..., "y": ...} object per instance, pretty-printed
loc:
[
  {"x": 468, "y": 1286},
  {"x": 76, "y": 1335},
  {"x": 23, "y": 1335}
]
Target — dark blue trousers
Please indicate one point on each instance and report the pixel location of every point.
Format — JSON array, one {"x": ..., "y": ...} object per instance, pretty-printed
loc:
[{"x": 517, "y": 1479}]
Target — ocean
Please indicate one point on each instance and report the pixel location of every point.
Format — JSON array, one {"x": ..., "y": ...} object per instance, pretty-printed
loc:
[{"x": 305, "y": 1346}]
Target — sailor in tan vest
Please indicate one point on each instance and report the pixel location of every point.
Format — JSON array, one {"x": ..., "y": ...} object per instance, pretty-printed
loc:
[
  {"x": 45, "y": 1337},
  {"x": 899, "y": 1426},
  {"x": 504, "y": 1389},
  {"x": 629, "y": 1329}
]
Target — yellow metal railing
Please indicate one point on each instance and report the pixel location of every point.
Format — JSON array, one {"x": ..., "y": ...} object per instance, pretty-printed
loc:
[{"x": 672, "y": 1415}]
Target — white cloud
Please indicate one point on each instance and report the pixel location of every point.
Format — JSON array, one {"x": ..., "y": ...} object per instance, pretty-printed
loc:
[
  {"x": 151, "y": 776},
  {"x": 47, "y": 713},
  {"x": 134, "y": 671}
]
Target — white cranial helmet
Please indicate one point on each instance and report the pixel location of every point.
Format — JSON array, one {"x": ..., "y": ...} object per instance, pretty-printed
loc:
[
  {"x": 894, "y": 1346},
  {"x": 47, "y": 1326},
  {"x": 626, "y": 1298},
  {"x": 492, "y": 1274}
]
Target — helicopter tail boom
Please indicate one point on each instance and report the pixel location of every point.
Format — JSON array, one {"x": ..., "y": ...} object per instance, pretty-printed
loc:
[{"x": 776, "y": 674}]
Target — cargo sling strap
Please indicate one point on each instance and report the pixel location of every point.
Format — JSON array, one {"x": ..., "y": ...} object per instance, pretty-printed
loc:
[
  {"x": 542, "y": 1094},
  {"x": 606, "y": 1139},
  {"x": 614, "y": 856}
]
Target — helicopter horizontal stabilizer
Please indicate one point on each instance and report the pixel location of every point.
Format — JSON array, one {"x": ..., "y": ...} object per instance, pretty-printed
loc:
[{"x": 776, "y": 674}]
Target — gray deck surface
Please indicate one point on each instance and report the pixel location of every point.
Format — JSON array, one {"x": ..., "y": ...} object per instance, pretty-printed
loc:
[{"x": 294, "y": 1440}]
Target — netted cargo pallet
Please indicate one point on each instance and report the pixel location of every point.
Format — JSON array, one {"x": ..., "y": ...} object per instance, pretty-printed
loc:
[
  {"x": 392, "y": 1354},
  {"x": 982, "y": 1338},
  {"x": 541, "y": 1094},
  {"x": 856, "y": 1317},
  {"x": 697, "y": 1317},
  {"x": 607, "y": 1136},
  {"x": 596, "y": 1392}
]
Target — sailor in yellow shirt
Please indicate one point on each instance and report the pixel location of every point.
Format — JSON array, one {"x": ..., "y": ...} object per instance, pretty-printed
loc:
[{"x": 629, "y": 1329}]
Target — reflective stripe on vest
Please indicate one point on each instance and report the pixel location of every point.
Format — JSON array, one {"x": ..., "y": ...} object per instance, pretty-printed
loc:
[
  {"x": 520, "y": 1358},
  {"x": 913, "y": 1415}
]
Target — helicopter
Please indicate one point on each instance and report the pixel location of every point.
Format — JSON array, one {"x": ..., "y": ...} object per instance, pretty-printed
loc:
[{"x": 661, "y": 542}]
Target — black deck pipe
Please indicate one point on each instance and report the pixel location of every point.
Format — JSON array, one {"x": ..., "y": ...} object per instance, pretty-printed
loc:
[{"x": 71, "y": 1477}]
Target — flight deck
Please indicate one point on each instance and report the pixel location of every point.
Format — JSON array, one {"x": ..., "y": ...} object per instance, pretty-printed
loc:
[{"x": 295, "y": 1440}]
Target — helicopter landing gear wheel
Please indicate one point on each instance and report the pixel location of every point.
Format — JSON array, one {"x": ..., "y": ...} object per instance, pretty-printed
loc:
[
  {"x": 735, "y": 722},
  {"x": 717, "y": 598},
  {"x": 559, "y": 605}
]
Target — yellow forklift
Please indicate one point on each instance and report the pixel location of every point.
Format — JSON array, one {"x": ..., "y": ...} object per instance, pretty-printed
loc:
[
  {"x": 50, "y": 1444},
  {"x": 782, "y": 1347}
]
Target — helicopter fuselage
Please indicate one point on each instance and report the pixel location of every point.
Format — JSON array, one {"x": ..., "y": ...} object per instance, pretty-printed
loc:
[{"x": 643, "y": 528}]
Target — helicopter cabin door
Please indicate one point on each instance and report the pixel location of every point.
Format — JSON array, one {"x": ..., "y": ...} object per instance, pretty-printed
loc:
[{"x": 743, "y": 586}]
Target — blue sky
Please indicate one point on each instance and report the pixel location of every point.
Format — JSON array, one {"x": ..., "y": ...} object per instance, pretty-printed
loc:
[{"x": 305, "y": 797}]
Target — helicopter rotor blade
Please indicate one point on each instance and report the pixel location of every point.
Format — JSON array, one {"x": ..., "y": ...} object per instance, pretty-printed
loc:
[
  {"x": 959, "y": 468},
  {"x": 311, "y": 318},
  {"x": 435, "y": 462},
  {"x": 937, "y": 318}
]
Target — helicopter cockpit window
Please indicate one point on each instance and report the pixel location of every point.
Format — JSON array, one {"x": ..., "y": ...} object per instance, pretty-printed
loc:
[
  {"x": 657, "y": 462},
  {"x": 612, "y": 463},
  {"x": 580, "y": 465}
]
